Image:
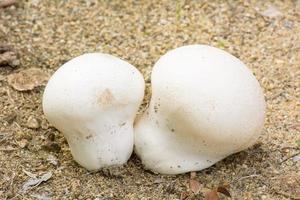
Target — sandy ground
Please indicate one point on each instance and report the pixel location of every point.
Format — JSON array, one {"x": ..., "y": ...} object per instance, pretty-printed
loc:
[{"x": 47, "y": 33}]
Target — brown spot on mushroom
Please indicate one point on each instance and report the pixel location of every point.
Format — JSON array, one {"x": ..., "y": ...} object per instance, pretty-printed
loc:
[
  {"x": 122, "y": 124},
  {"x": 106, "y": 98},
  {"x": 89, "y": 136}
]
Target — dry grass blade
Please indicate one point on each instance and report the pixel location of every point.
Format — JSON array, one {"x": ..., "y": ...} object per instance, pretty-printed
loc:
[{"x": 224, "y": 191}]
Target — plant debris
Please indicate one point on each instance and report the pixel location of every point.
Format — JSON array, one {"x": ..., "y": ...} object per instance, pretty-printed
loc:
[
  {"x": 287, "y": 185},
  {"x": 34, "y": 181},
  {"x": 213, "y": 194},
  {"x": 27, "y": 79},
  {"x": 195, "y": 186}
]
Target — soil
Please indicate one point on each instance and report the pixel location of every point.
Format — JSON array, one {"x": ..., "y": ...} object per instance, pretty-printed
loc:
[{"x": 45, "y": 34}]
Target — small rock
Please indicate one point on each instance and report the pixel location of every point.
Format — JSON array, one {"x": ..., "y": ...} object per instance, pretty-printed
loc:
[
  {"x": 288, "y": 24},
  {"x": 33, "y": 123},
  {"x": 9, "y": 58},
  {"x": 23, "y": 143},
  {"x": 44, "y": 124},
  {"x": 296, "y": 158},
  {"x": 52, "y": 159},
  {"x": 271, "y": 12}
]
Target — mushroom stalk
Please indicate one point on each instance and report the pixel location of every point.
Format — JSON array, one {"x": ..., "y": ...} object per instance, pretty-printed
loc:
[
  {"x": 205, "y": 105},
  {"x": 93, "y": 100}
]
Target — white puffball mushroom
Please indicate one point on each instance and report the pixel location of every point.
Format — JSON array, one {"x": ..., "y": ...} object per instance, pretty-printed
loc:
[
  {"x": 93, "y": 100},
  {"x": 205, "y": 105}
]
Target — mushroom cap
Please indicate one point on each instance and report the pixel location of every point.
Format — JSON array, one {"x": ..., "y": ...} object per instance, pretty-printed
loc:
[
  {"x": 93, "y": 99},
  {"x": 205, "y": 105}
]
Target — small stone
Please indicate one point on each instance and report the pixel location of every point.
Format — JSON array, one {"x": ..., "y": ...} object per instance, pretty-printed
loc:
[
  {"x": 44, "y": 124},
  {"x": 33, "y": 123},
  {"x": 271, "y": 12},
  {"x": 53, "y": 160},
  {"x": 23, "y": 143},
  {"x": 296, "y": 158}
]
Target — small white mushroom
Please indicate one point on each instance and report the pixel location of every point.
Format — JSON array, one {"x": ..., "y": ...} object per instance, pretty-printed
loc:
[
  {"x": 205, "y": 105},
  {"x": 93, "y": 100}
]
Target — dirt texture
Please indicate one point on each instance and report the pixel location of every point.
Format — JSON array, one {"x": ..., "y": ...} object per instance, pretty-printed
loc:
[{"x": 35, "y": 160}]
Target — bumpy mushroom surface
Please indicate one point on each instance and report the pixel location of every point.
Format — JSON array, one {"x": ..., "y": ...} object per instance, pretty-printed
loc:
[
  {"x": 93, "y": 100},
  {"x": 206, "y": 104}
]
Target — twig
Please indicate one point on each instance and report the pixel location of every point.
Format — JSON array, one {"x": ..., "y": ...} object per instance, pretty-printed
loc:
[
  {"x": 294, "y": 148},
  {"x": 250, "y": 176},
  {"x": 293, "y": 155},
  {"x": 7, "y": 3},
  {"x": 3, "y": 137}
]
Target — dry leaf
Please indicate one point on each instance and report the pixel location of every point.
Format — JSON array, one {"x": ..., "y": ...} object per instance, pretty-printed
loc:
[
  {"x": 34, "y": 182},
  {"x": 52, "y": 159},
  {"x": 27, "y": 79},
  {"x": 224, "y": 191},
  {"x": 195, "y": 186},
  {"x": 271, "y": 12},
  {"x": 212, "y": 195}
]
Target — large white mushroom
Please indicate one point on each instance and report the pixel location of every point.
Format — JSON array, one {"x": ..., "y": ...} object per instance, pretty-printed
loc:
[
  {"x": 206, "y": 104},
  {"x": 93, "y": 100}
]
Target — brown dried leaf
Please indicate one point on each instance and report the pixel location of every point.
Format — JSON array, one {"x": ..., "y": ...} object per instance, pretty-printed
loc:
[
  {"x": 195, "y": 186},
  {"x": 212, "y": 195},
  {"x": 224, "y": 191},
  {"x": 27, "y": 79}
]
